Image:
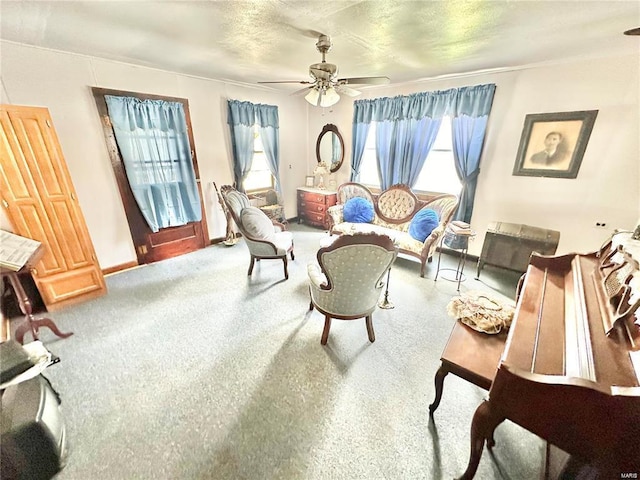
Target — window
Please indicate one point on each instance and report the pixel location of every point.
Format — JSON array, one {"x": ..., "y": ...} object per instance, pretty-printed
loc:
[
  {"x": 259, "y": 177},
  {"x": 438, "y": 173}
]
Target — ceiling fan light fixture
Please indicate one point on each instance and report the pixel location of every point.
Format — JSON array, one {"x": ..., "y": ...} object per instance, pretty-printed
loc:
[
  {"x": 329, "y": 98},
  {"x": 312, "y": 97}
]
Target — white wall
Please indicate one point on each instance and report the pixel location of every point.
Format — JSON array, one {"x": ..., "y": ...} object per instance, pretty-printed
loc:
[
  {"x": 62, "y": 82},
  {"x": 607, "y": 188}
]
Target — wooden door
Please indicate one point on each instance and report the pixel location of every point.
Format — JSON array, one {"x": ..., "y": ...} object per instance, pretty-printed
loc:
[
  {"x": 41, "y": 203},
  {"x": 167, "y": 242}
]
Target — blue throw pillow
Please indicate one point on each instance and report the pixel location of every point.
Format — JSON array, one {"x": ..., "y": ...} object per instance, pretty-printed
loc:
[
  {"x": 358, "y": 210},
  {"x": 423, "y": 224}
]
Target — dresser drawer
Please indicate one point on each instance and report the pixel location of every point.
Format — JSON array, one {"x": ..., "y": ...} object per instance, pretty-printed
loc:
[
  {"x": 311, "y": 197},
  {"x": 313, "y": 207},
  {"x": 316, "y": 219}
]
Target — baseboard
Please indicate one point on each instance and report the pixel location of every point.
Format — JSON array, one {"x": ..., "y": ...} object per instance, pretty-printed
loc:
[
  {"x": 119, "y": 268},
  {"x": 215, "y": 241}
]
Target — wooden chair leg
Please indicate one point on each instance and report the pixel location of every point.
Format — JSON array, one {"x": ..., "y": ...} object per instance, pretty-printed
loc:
[
  {"x": 286, "y": 272},
  {"x": 253, "y": 259},
  {"x": 325, "y": 332},
  {"x": 292, "y": 255},
  {"x": 372, "y": 335}
]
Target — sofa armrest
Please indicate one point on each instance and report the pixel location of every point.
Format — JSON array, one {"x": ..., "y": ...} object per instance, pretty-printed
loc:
[
  {"x": 336, "y": 214},
  {"x": 432, "y": 240}
]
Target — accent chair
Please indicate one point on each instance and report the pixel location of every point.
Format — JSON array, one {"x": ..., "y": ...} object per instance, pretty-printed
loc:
[
  {"x": 265, "y": 238},
  {"x": 348, "y": 279}
]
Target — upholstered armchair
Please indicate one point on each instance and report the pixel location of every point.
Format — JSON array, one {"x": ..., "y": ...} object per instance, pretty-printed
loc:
[
  {"x": 348, "y": 279},
  {"x": 266, "y": 239}
]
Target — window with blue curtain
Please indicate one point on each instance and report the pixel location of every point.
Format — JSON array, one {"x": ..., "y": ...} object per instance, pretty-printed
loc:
[
  {"x": 245, "y": 119},
  {"x": 153, "y": 141},
  {"x": 406, "y": 127}
]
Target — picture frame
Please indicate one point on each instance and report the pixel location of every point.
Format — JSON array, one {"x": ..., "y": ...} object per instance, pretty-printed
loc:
[
  {"x": 308, "y": 181},
  {"x": 553, "y": 144}
]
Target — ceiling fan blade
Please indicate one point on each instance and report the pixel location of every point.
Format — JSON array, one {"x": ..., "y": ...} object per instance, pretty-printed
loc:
[
  {"x": 347, "y": 91},
  {"x": 364, "y": 81},
  {"x": 300, "y": 92},
  {"x": 302, "y": 82}
]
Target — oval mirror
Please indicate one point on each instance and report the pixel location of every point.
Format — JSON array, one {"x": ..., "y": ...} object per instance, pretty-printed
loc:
[{"x": 330, "y": 147}]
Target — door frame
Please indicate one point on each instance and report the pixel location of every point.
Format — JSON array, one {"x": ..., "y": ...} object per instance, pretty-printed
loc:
[{"x": 138, "y": 226}]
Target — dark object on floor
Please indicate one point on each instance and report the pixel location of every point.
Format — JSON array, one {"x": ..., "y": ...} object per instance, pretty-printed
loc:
[
  {"x": 510, "y": 245},
  {"x": 14, "y": 360},
  {"x": 32, "y": 432}
]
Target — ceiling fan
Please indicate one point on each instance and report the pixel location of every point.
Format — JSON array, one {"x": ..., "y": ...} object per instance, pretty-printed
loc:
[{"x": 325, "y": 85}]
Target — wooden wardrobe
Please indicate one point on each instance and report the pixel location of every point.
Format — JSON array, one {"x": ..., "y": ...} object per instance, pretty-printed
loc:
[{"x": 41, "y": 203}]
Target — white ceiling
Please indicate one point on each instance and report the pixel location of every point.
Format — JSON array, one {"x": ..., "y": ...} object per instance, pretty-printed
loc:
[{"x": 268, "y": 40}]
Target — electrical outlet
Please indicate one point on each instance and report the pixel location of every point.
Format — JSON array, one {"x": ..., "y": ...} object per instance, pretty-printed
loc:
[{"x": 601, "y": 225}]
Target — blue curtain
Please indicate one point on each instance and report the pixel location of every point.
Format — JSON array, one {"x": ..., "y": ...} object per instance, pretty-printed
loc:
[
  {"x": 242, "y": 119},
  {"x": 154, "y": 144},
  {"x": 406, "y": 127},
  {"x": 359, "y": 134},
  {"x": 470, "y": 114}
]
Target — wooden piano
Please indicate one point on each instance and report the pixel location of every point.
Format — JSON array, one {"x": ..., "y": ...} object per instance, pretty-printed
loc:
[{"x": 570, "y": 370}]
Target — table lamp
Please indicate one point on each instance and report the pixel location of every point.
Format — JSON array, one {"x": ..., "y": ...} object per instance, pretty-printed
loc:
[{"x": 321, "y": 170}]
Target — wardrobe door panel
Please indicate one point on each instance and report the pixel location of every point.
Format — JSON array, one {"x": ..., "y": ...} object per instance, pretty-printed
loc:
[{"x": 41, "y": 203}]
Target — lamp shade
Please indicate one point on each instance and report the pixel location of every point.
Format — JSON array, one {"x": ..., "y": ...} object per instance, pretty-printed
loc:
[
  {"x": 329, "y": 98},
  {"x": 321, "y": 169},
  {"x": 312, "y": 97},
  {"x": 322, "y": 98}
]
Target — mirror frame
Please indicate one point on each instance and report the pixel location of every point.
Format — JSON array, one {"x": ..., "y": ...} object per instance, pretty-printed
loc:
[{"x": 326, "y": 129}]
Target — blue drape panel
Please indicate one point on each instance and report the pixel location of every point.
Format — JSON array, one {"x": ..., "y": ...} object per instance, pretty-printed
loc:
[
  {"x": 271, "y": 146},
  {"x": 359, "y": 133},
  {"x": 385, "y": 153},
  {"x": 406, "y": 127},
  {"x": 242, "y": 118},
  {"x": 153, "y": 141},
  {"x": 470, "y": 115}
]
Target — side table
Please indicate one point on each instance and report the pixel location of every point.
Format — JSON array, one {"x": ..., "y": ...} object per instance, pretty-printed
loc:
[
  {"x": 470, "y": 355},
  {"x": 30, "y": 323},
  {"x": 459, "y": 241}
]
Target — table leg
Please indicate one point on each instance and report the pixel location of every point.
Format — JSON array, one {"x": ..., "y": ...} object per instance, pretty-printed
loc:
[
  {"x": 30, "y": 324},
  {"x": 462, "y": 260},
  {"x": 482, "y": 427},
  {"x": 438, "y": 380}
]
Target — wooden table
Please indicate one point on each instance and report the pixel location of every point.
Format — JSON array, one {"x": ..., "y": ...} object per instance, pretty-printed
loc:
[
  {"x": 30, "y": 324},
  {"x": 472, "y": 356}
]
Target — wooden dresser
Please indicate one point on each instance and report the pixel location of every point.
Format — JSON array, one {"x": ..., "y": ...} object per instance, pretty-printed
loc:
[{"x": 313, "y": 204}]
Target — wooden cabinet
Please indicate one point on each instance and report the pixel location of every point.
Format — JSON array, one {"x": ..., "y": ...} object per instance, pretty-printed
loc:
[
  {"x": 41, "y": 203},
  {"x": 313, "y": 204},
  {"x": 510, "y": 245}
]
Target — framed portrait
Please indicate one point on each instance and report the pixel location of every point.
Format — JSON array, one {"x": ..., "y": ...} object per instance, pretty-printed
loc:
[
  {"x": 553, "y": 144},
  {"x": 308, "y": 181}
]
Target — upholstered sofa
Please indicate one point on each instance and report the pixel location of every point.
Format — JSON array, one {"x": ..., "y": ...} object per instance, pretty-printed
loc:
[{"x": 393, "y": 211}]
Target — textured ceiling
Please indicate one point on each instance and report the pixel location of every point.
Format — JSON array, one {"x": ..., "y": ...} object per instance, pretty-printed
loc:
[{"x": 271, "y": 40}]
